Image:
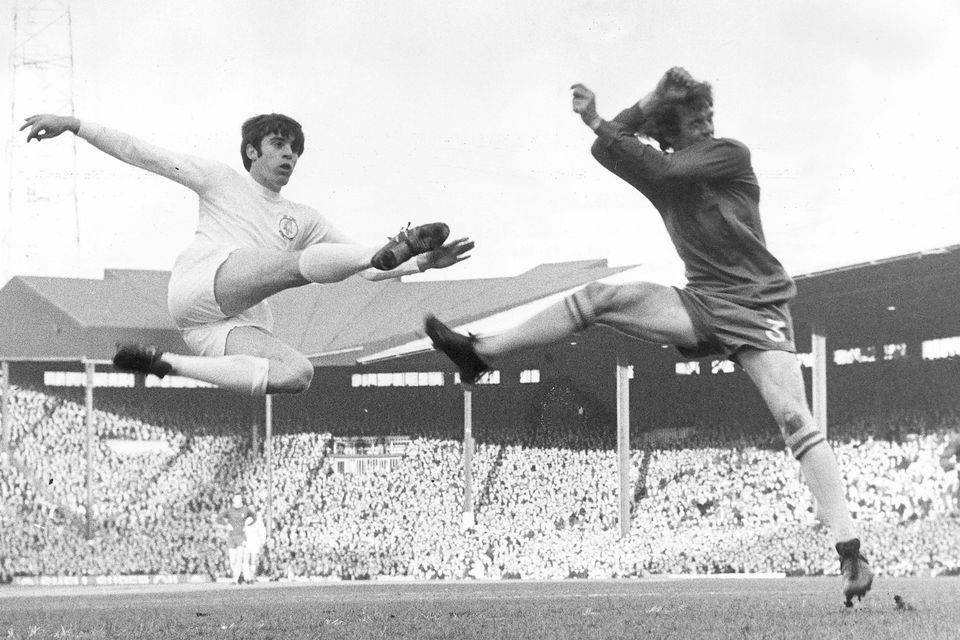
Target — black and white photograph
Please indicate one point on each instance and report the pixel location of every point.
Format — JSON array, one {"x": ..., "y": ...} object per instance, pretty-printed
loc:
[{"x": 430, "y": 319}]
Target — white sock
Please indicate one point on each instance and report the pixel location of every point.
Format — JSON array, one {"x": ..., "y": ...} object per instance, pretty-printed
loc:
[
  {"x": 237, "y": 563},
  {"x": 822, "y": 474},
  {"x": 242, "y": 373},
  {"x": 329, "y": 262},
  {"x": 546, "y": 327}
]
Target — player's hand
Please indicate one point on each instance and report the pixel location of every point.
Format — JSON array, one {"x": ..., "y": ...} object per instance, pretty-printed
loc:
[
  {"x": 446, "y": 256},
  {"x": 47, "y": 125},
  {"x": 584, "y": 102},
  {"x": 672, "y": 86}
]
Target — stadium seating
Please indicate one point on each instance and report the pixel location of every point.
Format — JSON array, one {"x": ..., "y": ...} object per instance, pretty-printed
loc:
[{"x": 546, "y": 503}]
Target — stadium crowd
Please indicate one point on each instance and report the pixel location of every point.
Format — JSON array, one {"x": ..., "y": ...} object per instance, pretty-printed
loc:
[{"x": 714, "y": 502}]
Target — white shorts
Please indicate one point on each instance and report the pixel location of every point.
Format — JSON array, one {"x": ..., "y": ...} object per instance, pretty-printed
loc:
[{"x": 194, "y": 308}]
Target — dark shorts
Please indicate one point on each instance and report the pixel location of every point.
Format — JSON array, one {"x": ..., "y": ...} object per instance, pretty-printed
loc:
[{"x": 724, "y": 327}]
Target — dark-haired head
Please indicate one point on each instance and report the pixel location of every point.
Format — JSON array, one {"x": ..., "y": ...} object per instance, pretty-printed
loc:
[{"x": 259, "y": 127}]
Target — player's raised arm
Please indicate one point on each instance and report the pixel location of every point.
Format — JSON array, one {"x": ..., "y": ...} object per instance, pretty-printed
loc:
[
  {"x": 190, "y": 171},
  {"x": 674, "y": 85}
]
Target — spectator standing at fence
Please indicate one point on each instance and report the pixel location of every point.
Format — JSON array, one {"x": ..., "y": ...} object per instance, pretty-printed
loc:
[
  {"x": 948, "y": 460},
  {"x": 255, "y": 536},
  {"x": 234, "y": 517}
]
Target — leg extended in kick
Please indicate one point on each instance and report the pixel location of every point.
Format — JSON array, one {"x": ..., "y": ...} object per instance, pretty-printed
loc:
[
  {"x": 250, "y": 276},
  {"x": 642, "y": 310},
  {"x": 254, "y": 363}
]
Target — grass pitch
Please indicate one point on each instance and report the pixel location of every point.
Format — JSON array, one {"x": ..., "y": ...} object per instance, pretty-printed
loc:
[{"x": 648, "y": 608}]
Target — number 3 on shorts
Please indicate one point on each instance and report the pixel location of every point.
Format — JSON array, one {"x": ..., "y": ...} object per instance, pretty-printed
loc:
[{"x": 775, "y": 332}]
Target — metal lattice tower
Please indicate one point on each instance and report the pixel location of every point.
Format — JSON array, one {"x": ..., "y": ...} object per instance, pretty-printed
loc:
[{"x": 41, "y": 235}]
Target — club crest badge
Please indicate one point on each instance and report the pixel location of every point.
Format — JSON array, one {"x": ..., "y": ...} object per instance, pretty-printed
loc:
[{"x": 288, "y": 227}]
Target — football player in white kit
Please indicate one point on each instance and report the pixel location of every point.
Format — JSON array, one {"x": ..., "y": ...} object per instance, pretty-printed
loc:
[{"x": 249, "y": 244}]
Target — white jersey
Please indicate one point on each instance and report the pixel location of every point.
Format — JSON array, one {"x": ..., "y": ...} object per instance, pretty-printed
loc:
[{"x": 235, "y": 210}]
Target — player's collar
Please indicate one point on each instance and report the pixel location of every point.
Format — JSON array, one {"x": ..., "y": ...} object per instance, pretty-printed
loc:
[{"x": 269, "y": 194}]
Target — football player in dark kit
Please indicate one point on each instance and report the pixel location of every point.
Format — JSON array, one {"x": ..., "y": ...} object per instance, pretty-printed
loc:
[
  {"x": 735, "y": 303},
  {"x": 232, "y": 518}
]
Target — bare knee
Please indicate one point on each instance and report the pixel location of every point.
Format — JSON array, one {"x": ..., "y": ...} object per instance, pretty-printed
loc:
[
  {"x": 602, "y": 298},
  {"x": 611, "y": 297},
  {"x": 290, "y": 376},
  {"x": 605, "y": 299},
  {"x": 795, "y": 423},
  {"x": 800, "y": 432},
  {"x": 792, "y": 421},
  {"x": 249, "y": 276}
]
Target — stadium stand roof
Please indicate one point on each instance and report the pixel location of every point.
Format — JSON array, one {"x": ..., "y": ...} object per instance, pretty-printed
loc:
[
  {"x": 907, "y": 298},
  {"x": 44, "y": 318}
]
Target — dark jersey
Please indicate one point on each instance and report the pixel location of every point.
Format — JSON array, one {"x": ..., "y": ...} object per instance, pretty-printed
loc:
[
  {"x": 234, "y": 519},
  {"x": 708, "y": 197}
]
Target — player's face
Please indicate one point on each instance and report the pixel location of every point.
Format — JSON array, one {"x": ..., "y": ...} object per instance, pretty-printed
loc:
[
  {"x": 695, "y": 125},
  {"x": 274, "y": 165}
]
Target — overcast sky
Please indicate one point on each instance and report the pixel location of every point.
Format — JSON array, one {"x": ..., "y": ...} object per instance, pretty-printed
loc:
[{"x": 460, "y": 111}]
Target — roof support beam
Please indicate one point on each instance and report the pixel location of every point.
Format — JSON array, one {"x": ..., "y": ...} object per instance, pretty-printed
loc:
[
  {"x": 623, "y": 445},
  {"x": 90, "y": 370},
  {"x": 5, "y": 403},
  {"x": 268, "y": 453},
  {"x": 818, "y": 342},
  {"x": 468, "y": 517}
]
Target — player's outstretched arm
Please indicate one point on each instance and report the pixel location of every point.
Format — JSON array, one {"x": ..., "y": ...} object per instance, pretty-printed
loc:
[
  {"x": 47, "y": 125},
  {"x": 192, "y": 172},
  {"x": 674, "y": 84}
]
